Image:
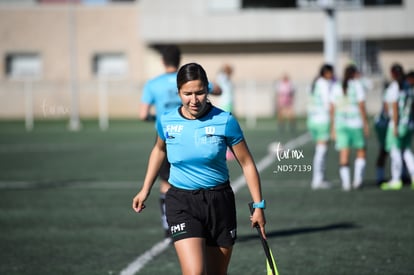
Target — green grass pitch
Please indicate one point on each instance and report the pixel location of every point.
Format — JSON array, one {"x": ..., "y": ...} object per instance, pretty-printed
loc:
[{"x": 65, "y": 207}]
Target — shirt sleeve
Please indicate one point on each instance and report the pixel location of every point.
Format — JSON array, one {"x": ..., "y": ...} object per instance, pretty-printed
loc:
[
  {"x": 392, "y": 93},
  {"x": 160, "y": 128},
  {"x": 360, "y": 93},
  {"x": 332, "y": 95},
  {"x": 234, "y": 133}
]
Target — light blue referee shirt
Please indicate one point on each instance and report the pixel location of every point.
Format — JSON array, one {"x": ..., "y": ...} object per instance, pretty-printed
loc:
[
  {"x": 197, "y": 148},
  {"x": 162, "y": 92}
]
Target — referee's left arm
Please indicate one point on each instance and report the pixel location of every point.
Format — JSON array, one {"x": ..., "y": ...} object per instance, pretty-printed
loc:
[{"x": 251, "y": 174}]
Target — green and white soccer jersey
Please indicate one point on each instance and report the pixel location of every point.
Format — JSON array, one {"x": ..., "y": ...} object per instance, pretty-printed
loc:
[
  {"x": 318, "y": 110},
  {"x": 391, "y": 95},
  {"x": 404, "y": 100},
  {"x": 348, "y": 119}
]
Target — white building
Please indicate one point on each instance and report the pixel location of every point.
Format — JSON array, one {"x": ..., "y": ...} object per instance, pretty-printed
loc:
[{"x": 67, "y": 54}]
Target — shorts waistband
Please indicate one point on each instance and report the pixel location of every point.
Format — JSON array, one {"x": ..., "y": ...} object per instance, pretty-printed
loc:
[{"x": 219, "y": 187}]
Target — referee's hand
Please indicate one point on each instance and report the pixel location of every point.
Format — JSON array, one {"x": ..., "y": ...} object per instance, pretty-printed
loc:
[
  {"x": 138, "y": 202},
  {"x": 258, "y": 219}
]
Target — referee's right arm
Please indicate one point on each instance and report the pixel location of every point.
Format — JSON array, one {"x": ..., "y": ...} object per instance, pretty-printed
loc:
[{"x": 156, "y": 158}]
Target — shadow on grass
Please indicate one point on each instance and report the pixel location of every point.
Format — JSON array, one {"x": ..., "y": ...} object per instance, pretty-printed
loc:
[{"x": 298, "y": 231}]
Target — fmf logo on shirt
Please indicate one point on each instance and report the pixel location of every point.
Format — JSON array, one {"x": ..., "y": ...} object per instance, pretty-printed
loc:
[{"x": 174, "y": 128}]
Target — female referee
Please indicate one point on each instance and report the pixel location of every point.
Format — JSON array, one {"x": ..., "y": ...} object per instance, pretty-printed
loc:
[{"x": 200, "y": 204}]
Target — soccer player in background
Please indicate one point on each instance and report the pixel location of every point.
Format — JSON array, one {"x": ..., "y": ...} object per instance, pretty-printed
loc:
[
  {"x": 399, "y": 134},
  {"x": 226, "y": 99},
  {"x": 285, "y": 95},
  {"x": 380, "y": 125},
  {"x": 349, "y": 126},
  {"x": 223, "y": 79},
  {"x": 161, "y": 92},
  {"x": 318, "y": 123}
]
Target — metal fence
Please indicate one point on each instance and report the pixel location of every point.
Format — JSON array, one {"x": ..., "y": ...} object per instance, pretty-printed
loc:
[{"x": 111, "y": 99}]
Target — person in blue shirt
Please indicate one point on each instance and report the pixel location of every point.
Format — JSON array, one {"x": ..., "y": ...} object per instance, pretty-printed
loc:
[
  {"x": 200, "y": 204},
  {"x": 161, "y": 92}
]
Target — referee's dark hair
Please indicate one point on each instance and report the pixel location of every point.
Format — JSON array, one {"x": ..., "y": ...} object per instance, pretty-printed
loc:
[
  {"x": 171, "y": 55},
  {"x": 190, "y": 72}
]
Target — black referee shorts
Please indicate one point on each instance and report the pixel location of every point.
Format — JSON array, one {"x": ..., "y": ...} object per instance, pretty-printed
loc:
[{"x": 205, "y": 213}]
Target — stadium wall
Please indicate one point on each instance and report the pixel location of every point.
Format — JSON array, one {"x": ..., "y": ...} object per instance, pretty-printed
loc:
[{"x": 45, "y": 29}]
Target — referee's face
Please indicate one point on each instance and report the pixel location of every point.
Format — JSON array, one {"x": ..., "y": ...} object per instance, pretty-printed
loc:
[{"x": 194, "y": 99}]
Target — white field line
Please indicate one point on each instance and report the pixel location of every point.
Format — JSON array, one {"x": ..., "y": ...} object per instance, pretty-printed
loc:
[
  {"x": 142, "y": 260},
  {"x": 237, "y": 184}
]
